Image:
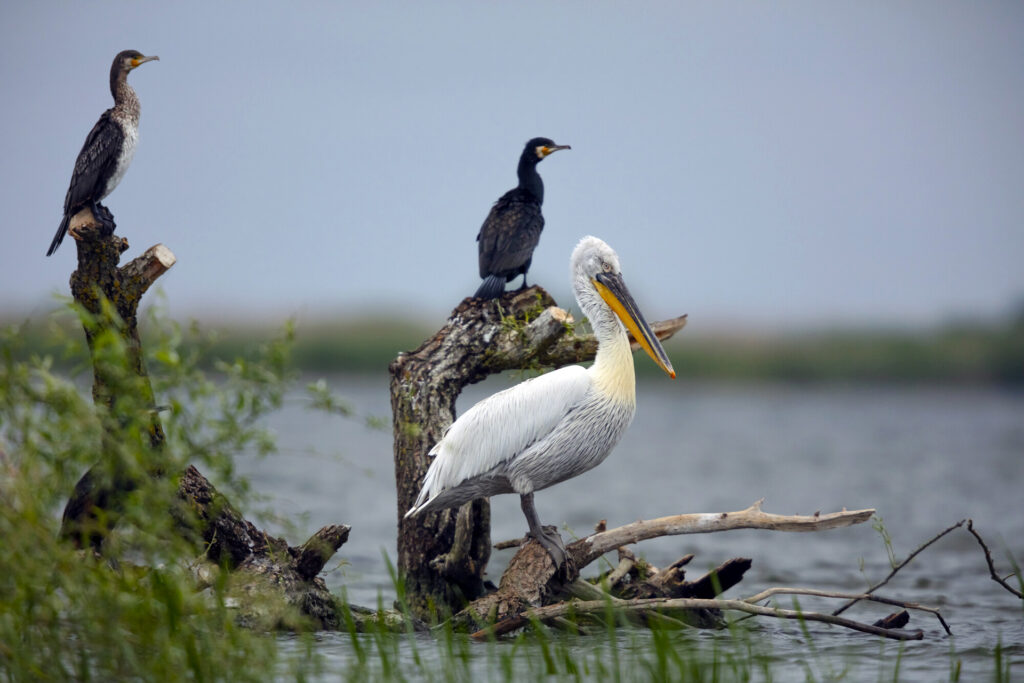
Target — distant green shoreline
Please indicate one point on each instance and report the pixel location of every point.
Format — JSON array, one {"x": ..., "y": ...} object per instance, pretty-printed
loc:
[{"x": 969, "y": 354}]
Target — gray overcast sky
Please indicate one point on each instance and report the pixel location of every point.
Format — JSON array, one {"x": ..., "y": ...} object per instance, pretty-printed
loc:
[{"x": 754, "y": 163}]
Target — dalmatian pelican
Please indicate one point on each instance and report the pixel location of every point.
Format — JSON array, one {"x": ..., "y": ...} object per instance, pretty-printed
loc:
[{"x": 558, "y": 425}]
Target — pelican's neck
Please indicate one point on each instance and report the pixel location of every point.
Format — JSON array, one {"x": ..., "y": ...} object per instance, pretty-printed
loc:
[{"x": 612, "y": 371}]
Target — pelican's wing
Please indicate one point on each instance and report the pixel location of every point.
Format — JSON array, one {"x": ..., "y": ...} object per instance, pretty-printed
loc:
[{"x": 501, "y": 427}]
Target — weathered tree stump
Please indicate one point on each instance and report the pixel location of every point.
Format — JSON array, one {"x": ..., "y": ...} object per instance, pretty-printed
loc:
[
  {"x": 112, "y": 295},
  {"x": 276, "y": 585},
  {"x": 442, "y": 555}
]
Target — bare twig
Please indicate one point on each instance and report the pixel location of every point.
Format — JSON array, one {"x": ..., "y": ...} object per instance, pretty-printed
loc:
[
  {"x": 898, "y": 567},
  {"x": 763, "y": 595},
  {"x": 991, "y": 565},
  {"x": 643, "y": 606}
]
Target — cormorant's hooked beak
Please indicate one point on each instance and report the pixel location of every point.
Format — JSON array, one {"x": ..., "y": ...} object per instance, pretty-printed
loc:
[
  {"x": 613, "y": 290},
  {"x": 136, "y": 61},
  {"x": 545, "y": 150}
]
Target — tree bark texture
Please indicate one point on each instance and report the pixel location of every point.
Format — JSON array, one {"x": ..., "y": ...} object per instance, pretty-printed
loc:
[
  {"x": 276, "y": 585},
  {"x": 98, "y": 285},
  {"x": 442, "y": 555}
]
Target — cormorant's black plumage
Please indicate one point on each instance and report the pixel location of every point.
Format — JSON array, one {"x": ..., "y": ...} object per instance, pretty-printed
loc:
[
  {"x": 512, "y": 228},
  {"x": 108, "y": 149}
]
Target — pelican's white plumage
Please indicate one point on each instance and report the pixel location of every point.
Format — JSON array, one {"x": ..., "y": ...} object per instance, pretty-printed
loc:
[
  {"x": 497, "y": 429},
  {"x": 556, "y": 426}
]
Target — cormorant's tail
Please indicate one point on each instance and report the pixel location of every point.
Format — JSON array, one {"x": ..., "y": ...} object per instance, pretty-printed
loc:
[
  {"x": 491, "y": 288},
  {"x": 59, "y": 237}
]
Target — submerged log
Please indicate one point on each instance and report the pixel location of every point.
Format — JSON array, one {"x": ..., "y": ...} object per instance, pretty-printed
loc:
[
  {"x": 663, "y": 597},
  {"x": 531, "y": 579},
  {"x": 442, "y": 555}
]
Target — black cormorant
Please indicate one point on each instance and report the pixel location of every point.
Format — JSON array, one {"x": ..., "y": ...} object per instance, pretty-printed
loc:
[
  {"x": 512, "y": 228},
  {"x": 108, "y": 150}
]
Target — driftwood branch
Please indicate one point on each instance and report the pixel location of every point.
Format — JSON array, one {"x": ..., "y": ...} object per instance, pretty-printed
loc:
[
  {"x": 590, "y": 548},
  {"x": 991, "y": 566},
  {"x": 531, "y": 578},
  {"x": 646, "y": 607}
]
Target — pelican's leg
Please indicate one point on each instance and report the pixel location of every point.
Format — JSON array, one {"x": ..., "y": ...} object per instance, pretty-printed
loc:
[{"x": 548, "y": 537}]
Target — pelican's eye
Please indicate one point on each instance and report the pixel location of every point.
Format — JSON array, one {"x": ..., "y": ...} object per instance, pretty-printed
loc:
[{"x": 606, "y": 267}]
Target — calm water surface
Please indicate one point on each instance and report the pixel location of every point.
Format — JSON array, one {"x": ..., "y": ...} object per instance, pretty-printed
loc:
[{"x": 924, "y": 458}]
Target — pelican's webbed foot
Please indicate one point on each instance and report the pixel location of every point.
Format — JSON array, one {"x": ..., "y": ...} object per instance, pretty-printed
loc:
[
  {"x": 547, "y": 536},
  {"x": 552, "y": 542}
]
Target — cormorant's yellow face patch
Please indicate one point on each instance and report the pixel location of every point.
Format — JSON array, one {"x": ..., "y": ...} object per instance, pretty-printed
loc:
[{"x": 543, "y": 151}]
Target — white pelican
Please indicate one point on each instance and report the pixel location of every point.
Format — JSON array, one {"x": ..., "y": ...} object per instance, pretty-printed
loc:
[{"x": 555, "y": 426}]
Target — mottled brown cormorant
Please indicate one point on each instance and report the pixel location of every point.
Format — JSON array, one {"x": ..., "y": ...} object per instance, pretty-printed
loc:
[
  {"x": 108, "y": 150},
  {"x": 512, "y": 228}
]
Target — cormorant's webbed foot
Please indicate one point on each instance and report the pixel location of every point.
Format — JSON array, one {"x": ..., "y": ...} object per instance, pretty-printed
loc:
[
  {"x": 522, "y": 286},
  {"x": 105, "y": 218},
  {"x": 547, "y": 536}
]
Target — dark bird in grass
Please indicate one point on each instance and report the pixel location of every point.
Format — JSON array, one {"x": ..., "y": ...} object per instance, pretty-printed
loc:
[
  {"x": 108, "y": 150},
  {"x": 512, "y": 229}
]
